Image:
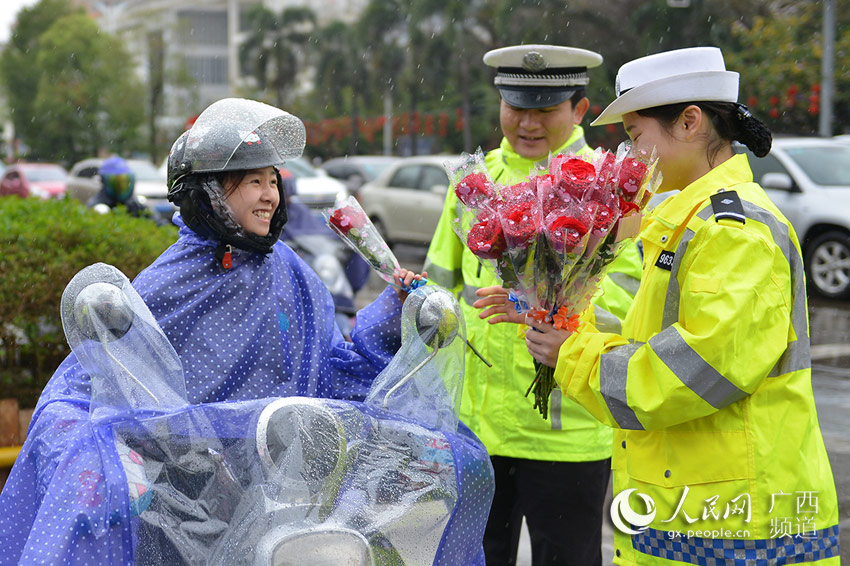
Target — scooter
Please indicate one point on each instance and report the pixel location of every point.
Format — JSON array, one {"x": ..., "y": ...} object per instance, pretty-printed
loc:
[{"x": 393, "y": 480}]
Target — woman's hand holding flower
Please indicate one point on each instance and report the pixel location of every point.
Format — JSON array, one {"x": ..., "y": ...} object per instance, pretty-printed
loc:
[
  {"x": 545, "y": 344},
  {"x": 404, "y": 279}
]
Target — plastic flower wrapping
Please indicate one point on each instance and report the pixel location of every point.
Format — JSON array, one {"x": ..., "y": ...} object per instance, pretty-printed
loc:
[
  {"x": 552, "y": 237},
  {"x": 350, "y": 222}
]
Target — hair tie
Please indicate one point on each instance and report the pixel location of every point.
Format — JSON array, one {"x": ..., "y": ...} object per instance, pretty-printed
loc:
[{"x": 743, "y": 112}]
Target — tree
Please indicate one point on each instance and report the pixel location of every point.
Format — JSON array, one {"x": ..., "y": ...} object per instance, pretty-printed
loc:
[
  {"x": 18, "y": 69},
  {"x": 779, "y": 59},
  {"x": 86, "y": 99},
  {"x": 342, "y": 73},
  {"x": 274, "y": 53}
]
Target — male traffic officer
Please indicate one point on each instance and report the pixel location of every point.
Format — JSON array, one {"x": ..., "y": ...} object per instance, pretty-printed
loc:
[{"x": 552, "y": 472}]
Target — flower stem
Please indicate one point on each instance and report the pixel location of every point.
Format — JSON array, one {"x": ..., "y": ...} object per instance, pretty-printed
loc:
[{"x": 543, "y": 384}]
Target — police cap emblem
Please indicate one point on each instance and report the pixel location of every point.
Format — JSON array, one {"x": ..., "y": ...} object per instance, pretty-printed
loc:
[{"x": 533, "y": 62}]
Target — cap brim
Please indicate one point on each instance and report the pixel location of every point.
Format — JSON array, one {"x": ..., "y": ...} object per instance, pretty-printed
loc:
[
  {"x": 719, "y": 86},
  {"x": 529, "y": 99}
]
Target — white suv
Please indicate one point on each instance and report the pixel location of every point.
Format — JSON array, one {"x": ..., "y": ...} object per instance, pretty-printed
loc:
[{"x": 809, "y": 181}]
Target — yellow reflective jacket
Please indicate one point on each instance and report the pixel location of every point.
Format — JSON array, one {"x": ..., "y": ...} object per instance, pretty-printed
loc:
[
  {"x": 709, "y": 387},
  {"x": 494, "y": 405}
]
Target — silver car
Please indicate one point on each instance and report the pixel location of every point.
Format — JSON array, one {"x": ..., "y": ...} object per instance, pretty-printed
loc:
[
  {"x": 355, "y": 170},
  {"x": 809, "y": 181},
  {"x": 406, "y": 200}
]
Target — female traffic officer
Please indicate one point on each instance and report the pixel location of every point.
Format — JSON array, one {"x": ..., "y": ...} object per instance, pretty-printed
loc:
[
  {"x": 245, "y": 314},
  {"x": 709, "y": 385}
]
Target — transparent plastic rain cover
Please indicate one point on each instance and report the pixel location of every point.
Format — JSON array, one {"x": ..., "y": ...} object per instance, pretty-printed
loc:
[{"x": 394, "y": 480}]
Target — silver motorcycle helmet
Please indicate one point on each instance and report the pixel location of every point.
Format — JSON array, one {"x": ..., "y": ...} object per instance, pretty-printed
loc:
[{"x": 233, "y": 134}]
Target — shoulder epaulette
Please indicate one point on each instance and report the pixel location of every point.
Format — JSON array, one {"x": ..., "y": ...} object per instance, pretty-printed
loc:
[{"x": 727, "y": 206}]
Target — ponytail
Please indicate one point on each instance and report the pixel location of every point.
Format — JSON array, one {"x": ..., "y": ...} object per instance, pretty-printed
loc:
[
  {"x": 752, "y": 132},
  {"x": 732, "y": 121}
]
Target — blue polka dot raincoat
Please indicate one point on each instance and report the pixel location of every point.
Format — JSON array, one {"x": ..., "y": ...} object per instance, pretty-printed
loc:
[{"x": 264, "y": 328}]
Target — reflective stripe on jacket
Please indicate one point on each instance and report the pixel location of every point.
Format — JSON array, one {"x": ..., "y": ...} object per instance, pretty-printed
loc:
[
  {"x": 709, "y": 387},
  {"x": 494, "y": 405}
]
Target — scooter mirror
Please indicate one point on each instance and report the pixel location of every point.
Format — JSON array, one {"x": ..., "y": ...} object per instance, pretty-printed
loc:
[
  {"x": 102, "y": 312},
  {"x": 436, "y": 320}
]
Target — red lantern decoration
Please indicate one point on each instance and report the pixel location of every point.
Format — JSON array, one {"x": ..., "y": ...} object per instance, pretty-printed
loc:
[
  {"x": 443, "y": 125},
  {"x": 429, "y": 124},
  {"x": 774, "y": 100},
  {"x": 774, "y": 113},
  {"x": 816, "y": 87},
  {"x": 611, "y": 128},
  {"x": 814, "y": 109},
  {"x": 596, "y": 109},
  {"x": 459, "y": 119},
  {"x": 416, "y": 123},
  {"x": 752, "y": 101}
]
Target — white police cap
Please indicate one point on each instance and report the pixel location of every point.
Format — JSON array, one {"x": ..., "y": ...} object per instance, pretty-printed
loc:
[
  {"x": 537, "y": 76},
  {"x": 694, "y": 74}
]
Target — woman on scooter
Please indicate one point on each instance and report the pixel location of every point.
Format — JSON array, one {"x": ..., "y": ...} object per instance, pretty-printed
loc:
[
  {"x": 245, "y": 314},
  {"x": 228, "y": 295}
]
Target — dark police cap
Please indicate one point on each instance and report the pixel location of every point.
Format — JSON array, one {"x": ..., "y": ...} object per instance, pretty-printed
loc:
[{"x": 537, "y": 76}]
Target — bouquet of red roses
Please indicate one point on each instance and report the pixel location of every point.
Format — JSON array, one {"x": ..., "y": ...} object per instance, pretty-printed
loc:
[
  {"x": 551, "y": 237},
  {"x": 351, "y": 223}
]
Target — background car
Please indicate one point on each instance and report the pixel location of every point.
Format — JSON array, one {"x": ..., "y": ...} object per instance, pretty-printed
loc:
[
  {"x": 406, "y": 200},
  {"x": 84, "y": 183},
  {"x": 809, "y": 181},
  {"x": 354, "y": 170},
  {"x": 314, "y": 187},
  {"x": 43, "y": 180}
]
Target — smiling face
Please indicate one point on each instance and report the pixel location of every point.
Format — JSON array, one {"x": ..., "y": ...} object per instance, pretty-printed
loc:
[
  {"x": 533, "y": 133},
  {"x": 254, "y": 200}
]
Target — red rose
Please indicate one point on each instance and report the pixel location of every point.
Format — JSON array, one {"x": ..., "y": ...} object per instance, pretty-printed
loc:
[
  {"x": 346, "y": 218},
  {"x": 566, "y": 232},
  {"x": 631, "y": 176},
  {"x": 626, "y": 206},
  {"x": 520, "y": 192},
  {"x": 541, "y": 180},
  {"x": 603, "y": 217},
  {"x": 577, "y": 175},
  {"x": 473, "y": 188},
  {"x": 486, "y": 239},
  {"x": 606, "y": 169},
  {"x": 553, "y": 202},
  {"x": 519, "y": 223}
]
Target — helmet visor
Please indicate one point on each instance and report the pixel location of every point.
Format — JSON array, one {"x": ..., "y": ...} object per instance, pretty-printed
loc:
[
  {"x": 237, "y": 134},
  {"x": 119, "y": 185}
]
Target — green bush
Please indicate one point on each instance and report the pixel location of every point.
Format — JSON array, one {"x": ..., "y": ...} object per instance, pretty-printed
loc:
[{"x": 43, "y": 244}]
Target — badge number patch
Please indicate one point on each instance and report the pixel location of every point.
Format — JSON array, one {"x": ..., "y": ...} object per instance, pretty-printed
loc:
[{"x": 665, "y": 260}]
